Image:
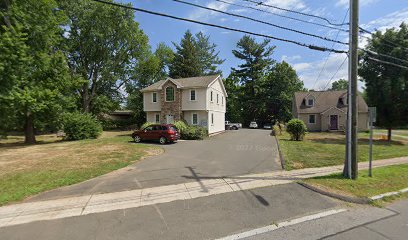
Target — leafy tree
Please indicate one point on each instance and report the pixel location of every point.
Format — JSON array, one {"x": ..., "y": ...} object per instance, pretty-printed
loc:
[
  {"x": 33, "y": 72},
  {"x": 234, "y": 104},
  {"x": 277, "y": 91},
  {"x": 386, "y": 85},
  {"x": 340, "y": 84},
  {"x": 194, "y": 56},
  {"x": 104, "y": 45},
  {"x": 257, "y": 61}
]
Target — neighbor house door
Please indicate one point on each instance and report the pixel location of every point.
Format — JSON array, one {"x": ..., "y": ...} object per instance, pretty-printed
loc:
[
  {"x": 334, "y": 122},
  {"x": 170, "y": 119}
]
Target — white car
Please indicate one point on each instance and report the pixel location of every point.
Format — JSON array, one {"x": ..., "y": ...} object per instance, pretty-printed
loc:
[{"x": 253, "y": 125}]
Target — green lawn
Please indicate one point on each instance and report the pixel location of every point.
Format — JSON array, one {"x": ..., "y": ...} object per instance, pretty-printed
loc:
[
  {"x": 28, "y": 170},
  {"x": 385, "y": 179},
  {"x": 327, "y": 148}
]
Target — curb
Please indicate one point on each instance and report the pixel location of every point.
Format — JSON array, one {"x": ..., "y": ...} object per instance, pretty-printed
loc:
[
  {"x": 357, "y": 200},
  {"x": 282, "y": 159}
]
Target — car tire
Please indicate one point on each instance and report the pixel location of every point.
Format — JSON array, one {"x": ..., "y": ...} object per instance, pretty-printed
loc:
[
  {"x": 163, "y": 140},
  {"x": 234, "y": 128},
  {"x": 137, "y": 139}
]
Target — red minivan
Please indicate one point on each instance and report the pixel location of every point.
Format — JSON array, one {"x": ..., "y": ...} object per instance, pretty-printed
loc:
[{"x": 164, "y": 133}]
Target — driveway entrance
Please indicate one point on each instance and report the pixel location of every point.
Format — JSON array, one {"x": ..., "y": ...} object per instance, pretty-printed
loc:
[{"x": 229, "y": 154}]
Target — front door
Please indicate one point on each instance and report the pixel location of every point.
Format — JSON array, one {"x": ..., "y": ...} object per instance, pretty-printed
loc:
[
  {"x": 334, "y": 122},
  {"x": 170, "y": 119}
]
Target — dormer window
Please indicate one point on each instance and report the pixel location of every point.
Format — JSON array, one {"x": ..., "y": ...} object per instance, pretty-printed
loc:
[
  {"x": 169, "y": 94},
  {"x": 310, "y": 102}
]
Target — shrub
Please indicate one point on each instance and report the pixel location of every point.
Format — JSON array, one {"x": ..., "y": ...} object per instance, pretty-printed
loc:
[
  {"x": 194, "y": 133},
  {"x": 181, "y": 126},
  {"x": 146, "y": 124},
  {"x": 79, "y": 126},
  {"x": 297, "y": 129},
  {"x": 121, "y": 124}
]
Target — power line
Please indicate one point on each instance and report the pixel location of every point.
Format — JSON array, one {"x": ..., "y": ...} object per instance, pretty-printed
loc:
[
  {"x": 383, "y": 55},
  {"x": 283, "y": 16},
  {"x": 297, "y": 12},
  {"x": 388, "y": 63},
  {"x": 385, "y": 40},
  {"x": 260, "y": 21},
  {"x": 313, "y": 47},
  {"x": 328, "y": 56}
]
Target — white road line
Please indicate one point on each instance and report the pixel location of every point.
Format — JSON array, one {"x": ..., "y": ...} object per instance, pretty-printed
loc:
[
  {"x": 380, "y": 196},
  {"x": 271, "y": 228}
]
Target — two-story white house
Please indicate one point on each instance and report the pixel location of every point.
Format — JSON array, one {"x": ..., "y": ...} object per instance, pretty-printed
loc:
[{"x": 199, "y": 101}]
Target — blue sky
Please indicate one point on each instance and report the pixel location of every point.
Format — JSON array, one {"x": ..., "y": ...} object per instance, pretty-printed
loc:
[{"x": 380, "y": 14}]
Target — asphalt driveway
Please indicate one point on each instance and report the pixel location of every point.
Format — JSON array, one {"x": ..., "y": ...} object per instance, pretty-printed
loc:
[{"x": 229, "y": 154}]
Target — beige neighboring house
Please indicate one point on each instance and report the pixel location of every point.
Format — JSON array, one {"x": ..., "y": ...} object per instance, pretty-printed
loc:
[
  {"x": 199, "y": 101},
  {"x": 327, "y": 110}
]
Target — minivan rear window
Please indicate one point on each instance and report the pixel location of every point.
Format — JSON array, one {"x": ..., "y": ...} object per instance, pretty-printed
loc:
[{"x": 173, "y": 128}]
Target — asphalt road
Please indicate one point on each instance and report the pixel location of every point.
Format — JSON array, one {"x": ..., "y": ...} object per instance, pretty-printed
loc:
[
  {"x": 359, "y": 222},
  {"x": 229, "y": 154},
  {"x": 200, "y": 218}
]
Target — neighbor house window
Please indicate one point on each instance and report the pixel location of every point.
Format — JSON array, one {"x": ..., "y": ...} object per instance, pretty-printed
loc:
[
  {"x": 195, "y": 119},
  {"x": 157, "y": 118},
  {"x": 169, "y": 94},
  {"x": 217, "y": 99},
  {"x": 212, "y": 118},
  {"x": 193, "y": 95},
  {"x": 310, "y": 102},
  {"x": 312, "y": 119},
  {"x": 222, "y": 100},
  {"x": 154, "y": 97},
  {"x": 211, "y": 96}
]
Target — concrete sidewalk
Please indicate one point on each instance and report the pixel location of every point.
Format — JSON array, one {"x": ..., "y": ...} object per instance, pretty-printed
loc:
[{"x": 204, "y": 186}]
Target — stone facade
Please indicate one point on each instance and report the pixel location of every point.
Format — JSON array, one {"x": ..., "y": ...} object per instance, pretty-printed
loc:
[{"x": 171, "y": 108}]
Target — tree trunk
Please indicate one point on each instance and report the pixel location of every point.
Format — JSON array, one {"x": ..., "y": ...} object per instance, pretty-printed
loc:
[
  {"x": 85, "y": 98},
  {"x": 389, "y": 134},
  {"x": 29, "y": 129}
]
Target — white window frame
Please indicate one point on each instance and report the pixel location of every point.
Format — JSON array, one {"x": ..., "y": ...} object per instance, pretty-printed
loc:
[
  {"x": 308, "y": 118},
  {"x": 154, "y": 93},
  {"x": 195, "y": 95},
  {"x": 222, "y": 100},
  {"x": 211, "y": 96},
  {"x": 212, "y": 119},
  {"x": 192, "y": 119},
  {"x": 165, "y": 94},
  {"x": 155, "y": 118}
]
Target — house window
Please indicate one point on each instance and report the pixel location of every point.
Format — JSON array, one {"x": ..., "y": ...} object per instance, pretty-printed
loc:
[
  {"x": 211, "y": 96},
  {"x": 310, "y": 102},
  {"x": 212, "y": 118},
  {"x": 169, "y": 94},
  {"x": 193, "y": 95},
  {"x": 157, "y": 118},
  {"x": 154, "y": 97},
  {"x": 222, "y": 100},
  {"x": 217, "y": 99},
  {"x": 312, "y": 119},
  {"x": 195, "y": 119}
]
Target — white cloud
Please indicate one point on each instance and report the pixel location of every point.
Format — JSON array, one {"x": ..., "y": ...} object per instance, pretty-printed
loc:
[
  {"x": 205, "y": 15},
  {"x": 345, "y": 3},
  {"x": 388, "y": 21},
  {"x": 290, "y": 59}
]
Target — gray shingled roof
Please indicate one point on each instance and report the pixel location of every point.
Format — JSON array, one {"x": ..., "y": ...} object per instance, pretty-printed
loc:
[
  {"x": 325, "y": 100},
  {"x": 197, "y": 82}
]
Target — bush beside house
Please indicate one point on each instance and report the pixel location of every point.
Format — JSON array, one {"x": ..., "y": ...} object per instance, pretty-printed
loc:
[{"x": 297, "y": 129}]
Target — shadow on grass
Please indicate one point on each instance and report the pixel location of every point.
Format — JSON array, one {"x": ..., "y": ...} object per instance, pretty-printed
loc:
[
  {"x": 336, "y": 176},
  {"x": 18, "y": 145}
]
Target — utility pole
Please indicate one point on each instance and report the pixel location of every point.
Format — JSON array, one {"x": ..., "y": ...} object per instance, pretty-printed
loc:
[{"x": 352, "y": 93}]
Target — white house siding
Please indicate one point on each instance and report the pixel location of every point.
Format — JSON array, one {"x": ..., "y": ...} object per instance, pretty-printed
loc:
[
  {"x": 219, "y": 122},
  {"x": 202, "y": 118},
  {"x": 216, "y": 88},
  {"x": 148, "y": 104},
  {"x": 151, "y": 116},
  {"x": 198, "y": 104}
]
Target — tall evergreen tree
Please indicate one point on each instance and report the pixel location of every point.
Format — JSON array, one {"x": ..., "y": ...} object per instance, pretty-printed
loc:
[
  {"x": 194, "y": 56},
  {"x": 387, "y": 85},
  {"x": 257, "y": 61}
]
